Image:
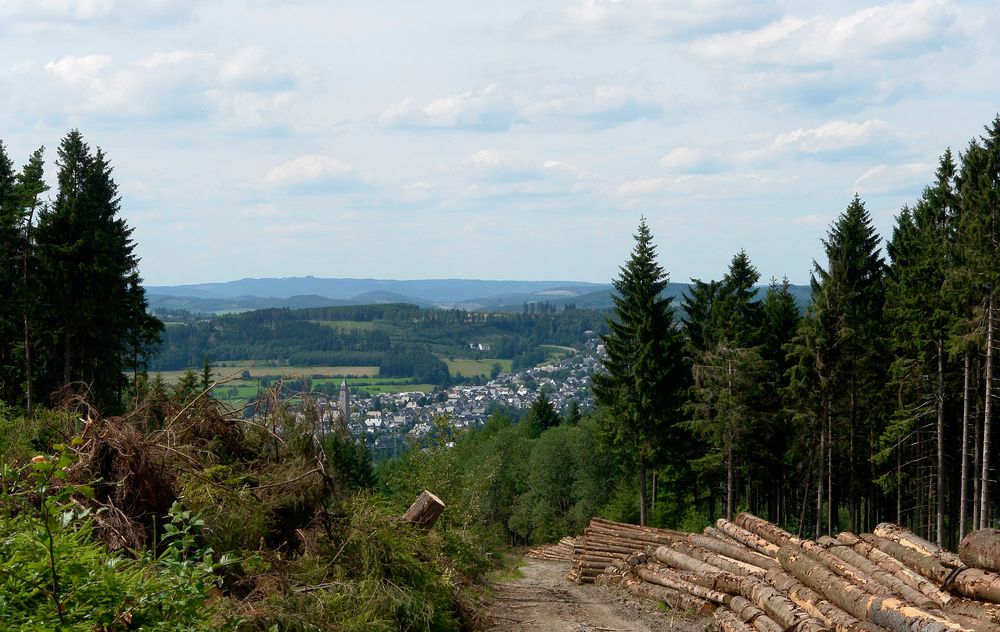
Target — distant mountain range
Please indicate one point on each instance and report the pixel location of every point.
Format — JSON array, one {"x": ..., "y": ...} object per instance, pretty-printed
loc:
[{"x": 308, "y": 291}]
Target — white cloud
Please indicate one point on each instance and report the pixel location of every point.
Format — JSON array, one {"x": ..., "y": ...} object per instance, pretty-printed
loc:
[
  {"x": 687, "y": 159},
  {"x": 833, "y": 137},
  {"x": 484, "y": 109},
  {"x": 311, "y": 171},
  {"x": 894, "y": 178},
  {"x": 611, "y": 20},
  {"x": 645, "y": 186},
  {"x": 882, "y": 31},
  {"x": 34, "y": 14}
]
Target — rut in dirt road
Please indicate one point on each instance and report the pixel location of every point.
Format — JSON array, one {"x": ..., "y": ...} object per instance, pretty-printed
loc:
[{"x": 543, "y": 600}]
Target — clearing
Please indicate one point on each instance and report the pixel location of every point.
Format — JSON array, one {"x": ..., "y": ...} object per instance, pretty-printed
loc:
[{"x": 544, "y": 600}]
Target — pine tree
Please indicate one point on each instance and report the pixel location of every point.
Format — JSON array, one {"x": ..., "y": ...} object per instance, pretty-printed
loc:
[
  {"x": 10, "y": 250},
  {"x": 541, "y": 415},
  {"x": 642, "y": 383}
]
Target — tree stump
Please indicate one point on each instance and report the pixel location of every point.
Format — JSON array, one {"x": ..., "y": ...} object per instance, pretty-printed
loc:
[{"x": 424, "y": 511}]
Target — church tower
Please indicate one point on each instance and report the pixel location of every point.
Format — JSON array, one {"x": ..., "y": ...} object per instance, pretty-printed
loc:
[{"x": 344, "y": 408}]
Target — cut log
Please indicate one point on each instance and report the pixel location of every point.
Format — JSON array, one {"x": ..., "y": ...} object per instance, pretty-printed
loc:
[
  {"x": 893, "y": 566},
  {"x": 747, "y": 538},
  {"x": 892, "y": 584},
  {"x": 753, "y": 616},
  {"x": 725, "y": 620},
  {"x": 911, "y": 540},
  {"x": 734, "y": 550},
  {"x": 981, "y": 549},
  {"x": 669, "y": 596},
  {"x": 662, "y": 576},
  {"x": 424, "y": 511},
  {"x": 719, "y": 561},
  {"x": 818, "y": 606},
  {"x": 887, "y": 612},
  {"x": 764, "y": 529},
  {"x": 778, "y": 606}
]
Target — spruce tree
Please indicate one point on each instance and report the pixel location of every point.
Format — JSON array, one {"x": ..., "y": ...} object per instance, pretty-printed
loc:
[
  {"x": 93, "y": 304},
  {"x": 643, "y": 379}
]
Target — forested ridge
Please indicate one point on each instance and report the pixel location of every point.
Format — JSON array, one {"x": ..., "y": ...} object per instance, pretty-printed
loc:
[{"x": 370, "y": 335}]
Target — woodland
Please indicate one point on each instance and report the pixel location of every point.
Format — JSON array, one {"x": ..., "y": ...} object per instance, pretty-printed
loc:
[{"x": 126, "y": 503}]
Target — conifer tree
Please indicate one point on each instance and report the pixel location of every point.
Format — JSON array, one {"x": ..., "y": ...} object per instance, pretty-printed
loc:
[
  {"x": 93, "y": 304},
  {"x": 841, "y": 368},
  {"x": 642, "y": 383}
]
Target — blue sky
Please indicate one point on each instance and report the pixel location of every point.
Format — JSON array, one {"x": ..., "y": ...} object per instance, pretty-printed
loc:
[{"x": 502, "y": 140}]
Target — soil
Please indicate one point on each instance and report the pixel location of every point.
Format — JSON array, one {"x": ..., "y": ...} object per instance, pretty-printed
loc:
[{"x": 544, "y": 600}]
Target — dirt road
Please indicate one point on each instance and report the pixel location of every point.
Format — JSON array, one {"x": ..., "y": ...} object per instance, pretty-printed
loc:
[{"x": 543, "y": 600}]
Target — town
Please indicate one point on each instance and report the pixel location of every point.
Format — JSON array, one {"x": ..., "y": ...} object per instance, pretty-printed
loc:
[{"x": 389, "y": 421}]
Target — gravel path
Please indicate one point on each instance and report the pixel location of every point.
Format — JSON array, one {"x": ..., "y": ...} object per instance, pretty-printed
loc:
[{"x": 544, "y": 600}]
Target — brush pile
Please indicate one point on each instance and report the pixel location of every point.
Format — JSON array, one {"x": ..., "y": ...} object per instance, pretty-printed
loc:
[{"x": 752, "y": 575}]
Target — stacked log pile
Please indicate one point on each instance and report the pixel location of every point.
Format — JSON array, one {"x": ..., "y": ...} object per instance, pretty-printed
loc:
[
  {"x": 561, "y": 551},
  {"x": 752, "y": 575},
  {"x": 605, "y": 541}
]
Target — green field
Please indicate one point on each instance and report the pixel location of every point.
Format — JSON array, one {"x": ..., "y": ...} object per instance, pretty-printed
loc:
[
  {"x": 469, "y": 367},
  {"x": 347, "y": 325},
  {"x": 258, "y": 370}
]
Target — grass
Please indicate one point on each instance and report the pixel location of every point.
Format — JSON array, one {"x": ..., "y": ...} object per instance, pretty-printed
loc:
[
  {"x": 347, "y": 325},
  {"x": 259, "y": 370},
  {"x": 469, "y": 367}
]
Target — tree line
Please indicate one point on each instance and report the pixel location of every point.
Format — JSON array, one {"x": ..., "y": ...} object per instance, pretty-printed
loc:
[
  {"x": 73, "y": 317},
  {"x": 877, "y": 404}
]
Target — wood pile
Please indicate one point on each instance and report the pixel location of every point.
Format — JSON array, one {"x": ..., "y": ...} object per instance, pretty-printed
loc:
[
  {"x": 605, "y": 541},
  {"x": 562, "y": 551},
  {"x": 750, "y": 575}
]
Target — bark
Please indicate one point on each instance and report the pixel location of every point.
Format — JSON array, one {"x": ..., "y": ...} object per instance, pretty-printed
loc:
[
  {"x": 673, "y": 598},
  {"x": 666, "y": 577},
  {"x": 984, "y": 485},
  {"x": 725, "y": 620},
  {"x": 747, "y": 538},
  {"x": 642, "y": 492},
  {"x": 819, "y": 485},
  {"x": 883, "y": 611},
  {"x": 753, "y": 616},
  {"x": 963, "y": 501},
  {"x": 719, "y": 562},
  {"x": 424, "y": 511},
  {"x": 735, "y": 551},
  {"x": 28, "y": 366},
  {"x": 981, "y": 549},
  {"x": 940, "y": 443},
  {"x": 973, "y": 583},
  {"x": 892, "y": 583},
  {"x": 818, "y": 606},
  {"x": 762, "y": 528},
  {"x": 910, "y": 540}
]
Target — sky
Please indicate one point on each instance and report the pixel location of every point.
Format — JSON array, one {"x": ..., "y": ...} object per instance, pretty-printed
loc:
[{"x": 496, "y": 140}]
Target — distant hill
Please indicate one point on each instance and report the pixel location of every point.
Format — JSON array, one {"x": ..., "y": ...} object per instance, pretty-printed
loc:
[{"x": 468, "y": 294}]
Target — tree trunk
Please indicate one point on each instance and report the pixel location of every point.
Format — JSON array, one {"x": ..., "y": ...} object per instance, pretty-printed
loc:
[
  {"x": 963, "y": 500},
  {"x": 67, "y": 355},
  {"x": 822, "y": 473},
  {"x": 984, "y": 486},
  {"x": 729, "y": 483},
  {"x": 940, "y": 443},
  {"x": 830, "y": 514},
  {"x": 978, "y": 456},
  {"x": 642, "y": 492},
  {"x": 29, "y": 378}
]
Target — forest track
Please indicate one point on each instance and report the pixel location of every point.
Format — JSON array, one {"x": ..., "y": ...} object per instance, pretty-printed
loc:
[{"x": 544, "y": 600}]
